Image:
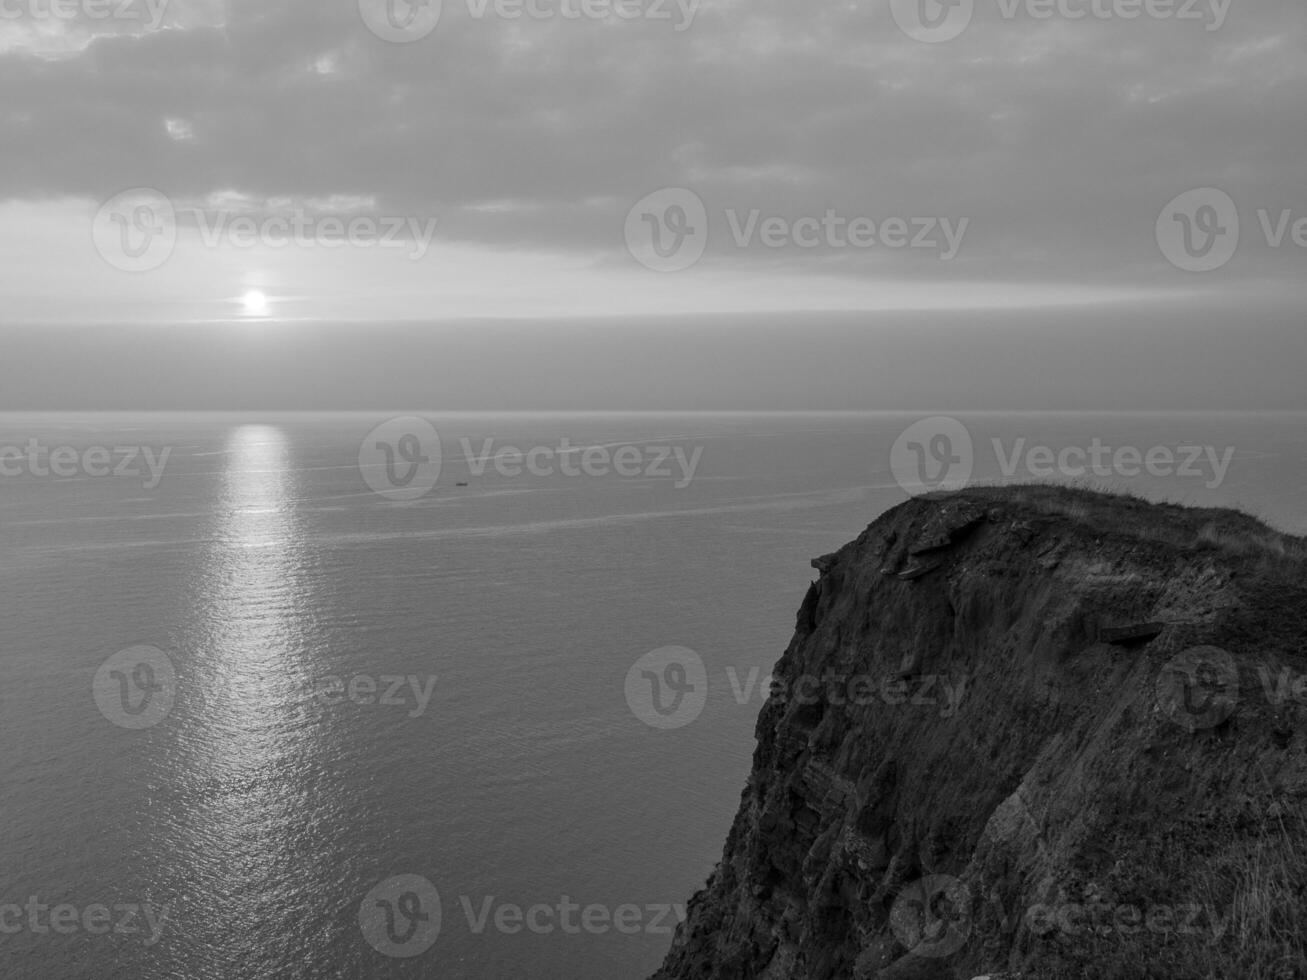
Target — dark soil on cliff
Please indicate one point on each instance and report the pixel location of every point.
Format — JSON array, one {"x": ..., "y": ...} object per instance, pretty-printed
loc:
[{"x": 1027, "y": 732}]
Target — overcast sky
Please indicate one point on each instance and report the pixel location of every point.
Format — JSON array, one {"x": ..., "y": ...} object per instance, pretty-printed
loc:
[{"x": 846, "y": 157}]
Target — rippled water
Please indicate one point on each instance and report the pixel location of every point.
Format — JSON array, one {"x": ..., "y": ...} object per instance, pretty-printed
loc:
[{"x": 257, "y": 817}]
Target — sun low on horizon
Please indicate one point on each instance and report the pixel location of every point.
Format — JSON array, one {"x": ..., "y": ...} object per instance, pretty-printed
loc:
[{"x": 255, "y": 305}]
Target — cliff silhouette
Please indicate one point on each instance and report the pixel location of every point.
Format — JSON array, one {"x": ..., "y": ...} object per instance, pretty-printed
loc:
[{"x": 1027, "y": 732}]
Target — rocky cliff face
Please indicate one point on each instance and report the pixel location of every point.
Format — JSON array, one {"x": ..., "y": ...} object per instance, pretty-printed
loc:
[{"x": 1027, "y": 732}]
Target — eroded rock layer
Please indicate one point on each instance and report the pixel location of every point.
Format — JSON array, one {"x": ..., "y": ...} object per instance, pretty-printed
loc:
[{"x": 1027, "y": 732}]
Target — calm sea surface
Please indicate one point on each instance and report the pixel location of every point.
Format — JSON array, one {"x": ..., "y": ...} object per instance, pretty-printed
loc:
[{"x": 259, "y": 805}]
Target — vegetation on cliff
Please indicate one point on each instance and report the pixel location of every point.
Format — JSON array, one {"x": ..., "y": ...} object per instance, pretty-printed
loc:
[{"x": 1114, "y": 786}]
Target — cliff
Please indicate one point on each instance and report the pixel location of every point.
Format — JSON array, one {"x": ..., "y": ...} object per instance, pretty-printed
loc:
[{"x": 1027, "y": 732}]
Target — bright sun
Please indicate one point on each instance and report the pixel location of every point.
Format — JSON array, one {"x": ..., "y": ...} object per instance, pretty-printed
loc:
[{"x": 254, "y": 303}]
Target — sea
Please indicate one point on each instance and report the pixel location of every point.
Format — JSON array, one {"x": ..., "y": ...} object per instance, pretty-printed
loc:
[{"x": 443, "y": 695}]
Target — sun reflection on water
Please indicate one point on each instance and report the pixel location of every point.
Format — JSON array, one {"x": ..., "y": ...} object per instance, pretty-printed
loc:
[{"x": 248, "y": 745}]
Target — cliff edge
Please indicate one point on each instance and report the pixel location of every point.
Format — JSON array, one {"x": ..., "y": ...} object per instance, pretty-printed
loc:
[{"x": 1027, "y": 732}]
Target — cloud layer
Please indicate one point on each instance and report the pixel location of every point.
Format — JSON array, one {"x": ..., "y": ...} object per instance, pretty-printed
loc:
[{"x": 1059, "y": 140}]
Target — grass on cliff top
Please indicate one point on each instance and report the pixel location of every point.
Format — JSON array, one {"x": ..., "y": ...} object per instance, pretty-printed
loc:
[
  {"x": 1267, "y": 922},
  {"x": 1126, "y": 515},
  {"x": 1256, "y": 889},
  {"x": 1259, "y": 877}
]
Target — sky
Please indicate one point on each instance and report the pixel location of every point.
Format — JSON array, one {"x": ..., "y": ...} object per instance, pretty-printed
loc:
[{"x": 292, "y": 183}]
